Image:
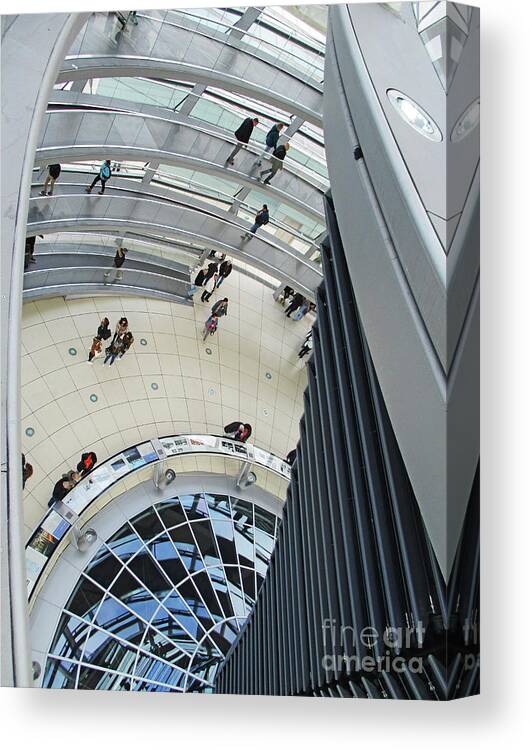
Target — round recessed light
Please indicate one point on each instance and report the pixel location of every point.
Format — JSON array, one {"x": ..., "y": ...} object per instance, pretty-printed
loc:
[
  {"x": 72, "y": 350},
  {"x": 414, "y": 115},
  {"x": 154, "y": 386},
  {"x": 268, "y": 375},
  {"x": 211, "y": 391},
  {"x": 466, "y": 123},
  {"x": 266, "y": 412},
  {"x": 208, "y": 350},
  {"x": 29, "y": 431},
  {"x": 93, "y": 397},
  {"x": 143, "y": 342}
]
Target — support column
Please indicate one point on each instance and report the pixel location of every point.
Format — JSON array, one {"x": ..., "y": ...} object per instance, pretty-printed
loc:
[{"x": 33, "y": 50}]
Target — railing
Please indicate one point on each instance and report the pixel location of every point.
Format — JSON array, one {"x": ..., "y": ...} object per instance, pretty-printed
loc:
[{"x": 64, "y": 514}]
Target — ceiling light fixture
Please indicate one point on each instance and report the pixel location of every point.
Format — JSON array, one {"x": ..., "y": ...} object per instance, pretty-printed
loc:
[{"x": 414, "y": 115}]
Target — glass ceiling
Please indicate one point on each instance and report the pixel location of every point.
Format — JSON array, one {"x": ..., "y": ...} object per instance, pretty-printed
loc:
[{"x": 160, "y": 604}]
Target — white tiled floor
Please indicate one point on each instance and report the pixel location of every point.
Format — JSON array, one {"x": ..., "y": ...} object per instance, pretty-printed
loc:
[{"x": 196, "y": 392}]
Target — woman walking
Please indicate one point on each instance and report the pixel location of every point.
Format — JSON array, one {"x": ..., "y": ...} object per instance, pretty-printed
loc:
[
  {"x": 97, "y": 348},
  {"x": 103, "y": 331},
  {"x": 121, "y": 329},
  {"x": 199, "y": 280},
  {"x": 211, "y": 326},
  {"x": 103, "y": 177}
]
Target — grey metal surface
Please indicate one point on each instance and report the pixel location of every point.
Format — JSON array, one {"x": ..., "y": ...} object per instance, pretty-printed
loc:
[
  {"x": 179, "y": 141},
  {"x": 419, "y": 306},
  {"x": 93, "y": 272},
  {"x": 352, "y": 599},
  {"x": 26, "y": 85},
  {"x": 189, "y": 218},
  {"x": 158, "y": 49}
]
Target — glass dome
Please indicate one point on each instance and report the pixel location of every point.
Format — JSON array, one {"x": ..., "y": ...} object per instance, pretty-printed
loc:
[{"x": 163, "y": 599}]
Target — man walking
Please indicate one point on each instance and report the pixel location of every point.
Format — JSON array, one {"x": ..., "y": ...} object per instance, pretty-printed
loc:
[
  {"x": 262, "y": 217},
  {"x": 278, "y": 158},
  {"x": 224, "y": 271},
  {"x": 272, "y": 137},
  {"x": 220, "y": 308},
  {"x": 243, "y": 133}
]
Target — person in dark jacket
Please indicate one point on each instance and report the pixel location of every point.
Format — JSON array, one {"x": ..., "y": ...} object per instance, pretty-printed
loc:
[
  {"x": 272, "y": 137},
  {"x": 103, "y": 331},
  {"x": 54, "y": 171},
  {"x": 66, "y": 483},
  {"x": 199, "y": 281},
  {"x": 291, "y": 457},
  {"x": 103, "y": 177},
  {"x": 119, "y": 259},
  {"x": 243, "y": 133},
  {"x": 30, "y": 251},
  {"x": 212, "y": 269},
  {"x": 87, "y": 463},
  {"x": 220, "y": 308},
  {"x": 225, "y": 269},
  {"x": 278, "y": 157},
  {"x": 128, "y": 340},
  {"x": 262, "y": 217},
  {"x": 238, "y": 431},
  {"x": 297, "y": 300}
]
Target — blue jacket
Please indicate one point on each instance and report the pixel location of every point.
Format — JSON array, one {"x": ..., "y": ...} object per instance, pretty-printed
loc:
[
  {"x": 272, "y": 136},
  {"x": 104, "y": 171}
]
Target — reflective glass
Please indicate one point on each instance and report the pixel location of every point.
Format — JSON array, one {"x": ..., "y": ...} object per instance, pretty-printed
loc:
[{"x": 177, "y": 597}]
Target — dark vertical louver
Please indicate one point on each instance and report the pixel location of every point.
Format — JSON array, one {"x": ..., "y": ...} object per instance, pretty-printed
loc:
[{"x": 354, "y": 603}]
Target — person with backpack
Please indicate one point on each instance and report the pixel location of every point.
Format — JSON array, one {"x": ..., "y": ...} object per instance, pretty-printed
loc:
[
  {"x": 278, "y": 157},
  {"x": 220, "y": 308},
  {"x": 54, "y": 171},
  {"x": 87, "y": 463},
  {"x": 224, "y": 271},
  {"x": 262, "y": 217},
  {"x": 210, "y": 326},
  {"x": 272, "y": 137},
  {"x": 103, "y": 177},
  {"x": 242, "y": 134}
]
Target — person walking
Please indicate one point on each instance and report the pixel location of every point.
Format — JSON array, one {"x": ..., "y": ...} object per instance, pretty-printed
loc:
[
  {"x": 224, "y": 271},
  {"x": 103, "y": 331},
  {"x": 278, "y": 157},
  {"x": 220, "y": 308},
  {"x": 113, "y": 350},
  {"x": 242, "y": 134},
  {"x": 213, "y": 268},
  {"x": 103, "y": 177},
  {"x": 199, "y": 280},
  {"x": 96, "y": 349},
  {"x": 87, "y": 463},
  {"x": 297, "y": 301},
  {"x": 29, "y": 251},
  {"x": 262, "y": 217},
  {"x": 119, "y": 259},
  {"x": 121, "y": 329},
  {"x": 126, "y": 343},
  {"x": 306, "y": 346},
  {"x": 210, "y": 326},
  {"x": 54, "y": 171},
  {"x": 272, "y": 137},
  {"x": 209, "y": 287}
]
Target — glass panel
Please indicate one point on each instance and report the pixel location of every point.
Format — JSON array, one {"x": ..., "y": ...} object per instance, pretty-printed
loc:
[
  {"x": 60, "y": 674},
  {"x": 204, "y": 535},
  {"x": 242, "y": 512},
  {"x": 85, "y": 599},
  {"x": 225, "y": 539},
  {"x": 195, "y": 506},
  {"x": 265, "y": 520},
  {"x": 70, "y": 637},
  {"x": 147, "y": 525},
  {"x": 244, "y": 543},
  {"x": 163, "y": 550},
  {"x": 171, "y": 513},
  {"x": 144, "y": 567},
  {"x": 185, "y": 544},
  {"x": 104, "y": 567},
  {"x": 124, "y": 543},
  {"x": 96, "y": 679}
]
